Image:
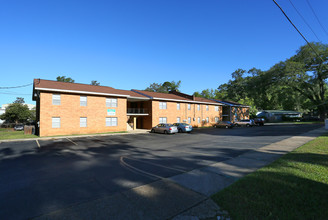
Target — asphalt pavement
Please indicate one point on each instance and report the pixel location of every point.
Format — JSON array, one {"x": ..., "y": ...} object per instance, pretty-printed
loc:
[{"x": 139, "y": 176}]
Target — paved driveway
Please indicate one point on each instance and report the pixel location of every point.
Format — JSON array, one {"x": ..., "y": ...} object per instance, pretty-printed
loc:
[{"x": 64, "y": 172}]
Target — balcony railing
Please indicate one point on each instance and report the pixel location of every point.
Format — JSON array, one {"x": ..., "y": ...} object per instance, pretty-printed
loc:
[{"x": 137, "y": 111}]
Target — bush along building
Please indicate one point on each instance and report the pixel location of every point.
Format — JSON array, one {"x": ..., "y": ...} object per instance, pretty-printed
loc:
[{"x": 71, "y": 108}]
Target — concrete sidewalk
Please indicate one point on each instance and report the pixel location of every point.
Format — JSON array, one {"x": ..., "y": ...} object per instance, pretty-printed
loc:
[{"x": 185, "y": 196}]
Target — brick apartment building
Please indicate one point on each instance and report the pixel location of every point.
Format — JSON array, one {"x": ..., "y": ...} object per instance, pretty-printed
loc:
[{"x": 72, "y": 108}]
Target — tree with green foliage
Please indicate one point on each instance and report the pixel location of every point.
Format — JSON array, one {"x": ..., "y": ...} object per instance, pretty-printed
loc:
[
  {"x": 299, "y": 83},
  {"x": 65, "y": 79},
  {"x": 17, "y": 112},
  {"x": 95, "y": 83},
  {"x": 165, "y": 87}
]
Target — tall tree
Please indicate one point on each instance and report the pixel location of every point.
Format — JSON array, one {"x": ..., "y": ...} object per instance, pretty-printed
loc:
[
  {"x": 95, "y": 83},
  {"x": 16, "y": 112},
  {"x": 65, "y": 79},
  {"x": 19, "y": 100},
  {"x": 307, "y": 73},
  {"x": 165, "y": 87}
]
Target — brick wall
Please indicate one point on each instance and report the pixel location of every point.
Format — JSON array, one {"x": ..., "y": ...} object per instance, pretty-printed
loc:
[
  {"x": 70, "y": 112},
  {"x": 171, "y": 113}
]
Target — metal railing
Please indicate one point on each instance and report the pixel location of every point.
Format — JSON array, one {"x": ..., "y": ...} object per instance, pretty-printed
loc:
[{"x": 138, "y": 110}]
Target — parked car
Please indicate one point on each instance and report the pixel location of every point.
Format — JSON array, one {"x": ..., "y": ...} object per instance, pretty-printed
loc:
[
  {"x": 245, "y": 122},
  {"x": 223, "y": 124},
  {"x": 259, "y": 121},
  {"x": 183, "y": 127},
  {"x": 164, "y": 128},
  {"x": 19, "y": 127}
]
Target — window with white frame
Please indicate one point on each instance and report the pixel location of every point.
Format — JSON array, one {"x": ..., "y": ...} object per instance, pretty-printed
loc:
[
  {"x": 216, "y": 108},
  {"x": 83, "y": 122},
  {"x": 162, "y": 120},
  {"x": 178, "y": 106},
  {"x": 198, "y": 120},
  {"x": 206, "y": 107},
  {"x": 178, "y": 119},
  {"x": 55, "y": 122},
  {"x": 207, "y": 120},
  {"x": 56, "y": 99},
  {"x": 83, "y": 101},
  {"x": 189, "y": 120},
  {"x": 198, "y": 107},
  {"x": 111, "y": 121},
  {"x": 189, "y": 106},
  {"x": 162, "y": 105},
  {"x": 216, "y": 119},
  {"x": 111, "y": 102}
]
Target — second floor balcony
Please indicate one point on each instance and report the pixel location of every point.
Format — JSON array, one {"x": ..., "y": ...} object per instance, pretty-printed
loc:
[{"x": 137, "y": 111}]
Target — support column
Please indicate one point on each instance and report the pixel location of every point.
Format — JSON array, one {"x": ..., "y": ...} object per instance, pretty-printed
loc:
[{"x": 134, "y": 123}]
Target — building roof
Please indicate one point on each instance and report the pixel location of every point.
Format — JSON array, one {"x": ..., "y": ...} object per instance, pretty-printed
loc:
[
  {"x": 230, "y": 103},
  {"x": 56, "y": 86},
  {"x": 286, "y": 112},
  {"x": 66, "y": 87}
]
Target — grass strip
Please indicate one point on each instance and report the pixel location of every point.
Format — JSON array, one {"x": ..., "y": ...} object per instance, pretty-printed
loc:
[
  {"x": 6, "y": 134},
  {"x": 293, "y": 187}
]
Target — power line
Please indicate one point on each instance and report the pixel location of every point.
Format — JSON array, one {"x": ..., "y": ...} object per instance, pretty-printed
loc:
[
  {"x": 14, "y": 87},
  {"x": 315, "y": 14},
  {"x": 298, "y": 30},
  {"x": 304, "y": 20},
  {"x": 11, "y": 93}
]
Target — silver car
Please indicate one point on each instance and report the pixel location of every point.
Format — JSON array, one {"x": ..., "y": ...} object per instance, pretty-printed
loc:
[
  {"x": 164, "y": 128},
  {"x": 246, "y": 122}
]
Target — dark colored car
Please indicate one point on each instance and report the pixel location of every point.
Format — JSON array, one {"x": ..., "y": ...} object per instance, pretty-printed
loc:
[
  {"x": 223, "y": 124},
  {"x": 19, "y": 127},
  {"x": 259, "y": 121},
  {"x": 183, "y": 127},
  {"x": 165, "y": 128}
]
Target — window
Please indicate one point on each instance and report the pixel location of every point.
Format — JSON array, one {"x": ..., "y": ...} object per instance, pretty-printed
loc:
[
  {"x": 55, "y": 122},
  {"x": 216, "y": 119},
  {"x": 189, "y": 106},
  {"x": 198, "y": 120},
  {"x": 162, "y": 105},
  {"x": 216, "y": 108},
  {"x": 111, "y": 122},
  {"x": 83, "y": 101},
  {"x": 206, "y": 107},
  {"x": 189, "y": 120},
  {"x": 162, "y": 120},
  {"x": 110, "y": 102},
  {"x": 198, "y": 107},
  {"x": 178, "y": 106},
  {"x": 83, "y": 122},
  {"x": 178, "y": 119},
  {"x": 56, "y": 99},
  {"x": 207, "y": 120}
]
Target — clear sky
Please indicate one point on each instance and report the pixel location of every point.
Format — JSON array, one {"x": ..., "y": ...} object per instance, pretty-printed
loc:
[{"x": 131, "y": 44}]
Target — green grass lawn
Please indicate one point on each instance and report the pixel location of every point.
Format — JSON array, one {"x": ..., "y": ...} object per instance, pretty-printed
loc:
[
  {"x": 293, "y": 187},
  {"x": 6, "y": 133}
]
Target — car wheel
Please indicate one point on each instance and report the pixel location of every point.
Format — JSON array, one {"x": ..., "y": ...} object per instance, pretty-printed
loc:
[
  {"x": 165, "y": 132},
  {"x": 152, "y": 131},
  {"x": 180, "y": 130},
  {"x": 247, "y": 125},
  {"x": 227, "y": 126}
]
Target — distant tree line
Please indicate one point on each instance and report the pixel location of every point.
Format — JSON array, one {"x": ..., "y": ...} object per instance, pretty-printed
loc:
[{"x": 298, "y": 83}]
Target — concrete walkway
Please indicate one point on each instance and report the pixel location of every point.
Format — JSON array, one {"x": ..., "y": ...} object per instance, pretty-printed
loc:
[{"x": 185, "y": 196}]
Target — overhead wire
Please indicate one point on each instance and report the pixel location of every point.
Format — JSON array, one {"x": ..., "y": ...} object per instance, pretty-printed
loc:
[
  {"x": 304, "y": 20},
  {"x": 298, "y": 31},
  {"x": 315, "y": 14},
  {"x": 14, "y": 87}
]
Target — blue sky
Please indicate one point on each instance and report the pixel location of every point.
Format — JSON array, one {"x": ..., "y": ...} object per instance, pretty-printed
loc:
[{"x": 130, "y": 44}]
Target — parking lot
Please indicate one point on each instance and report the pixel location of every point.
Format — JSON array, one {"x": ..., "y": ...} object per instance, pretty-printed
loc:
[{"x": 37, "y": 177}]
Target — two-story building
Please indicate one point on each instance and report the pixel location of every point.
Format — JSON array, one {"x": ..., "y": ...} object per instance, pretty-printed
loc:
[{"x": 71, "y": 108}]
